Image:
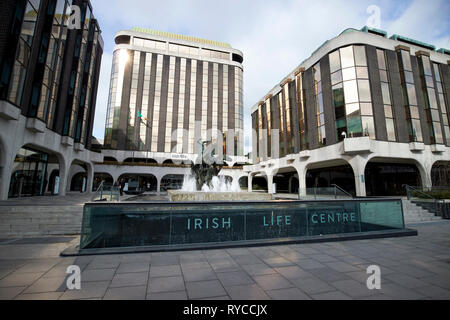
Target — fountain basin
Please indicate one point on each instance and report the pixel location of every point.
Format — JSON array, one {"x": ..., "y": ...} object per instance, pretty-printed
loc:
[{"x": 182, "y": 196}]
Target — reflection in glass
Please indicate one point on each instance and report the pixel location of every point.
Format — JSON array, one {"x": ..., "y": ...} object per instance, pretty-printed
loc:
[
  {"x": 351, "y": 91},
  {"x": 347, "y": 57},
  {"x": 360, "y": 56}
]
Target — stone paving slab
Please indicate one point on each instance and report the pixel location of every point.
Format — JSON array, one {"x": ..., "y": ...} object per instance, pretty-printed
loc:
[{"x": 413, "y": 268}]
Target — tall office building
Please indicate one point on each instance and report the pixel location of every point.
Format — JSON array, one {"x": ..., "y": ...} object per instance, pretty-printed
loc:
[
  {"x": 48, "y": 87},
  {"x": 366, "y": 112},
  {"x": 171, "y": 92}
]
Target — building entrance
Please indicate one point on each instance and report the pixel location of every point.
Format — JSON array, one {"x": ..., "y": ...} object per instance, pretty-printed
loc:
[{"x": 29, "y": 174}]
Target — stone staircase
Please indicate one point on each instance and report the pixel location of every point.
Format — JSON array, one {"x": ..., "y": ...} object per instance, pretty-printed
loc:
[
  {"x": 415, "y": 213},
  {"x": 28, "y": 221}
]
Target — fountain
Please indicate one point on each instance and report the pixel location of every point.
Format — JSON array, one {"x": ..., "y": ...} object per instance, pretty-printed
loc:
[{"x": 205, "y": 184}]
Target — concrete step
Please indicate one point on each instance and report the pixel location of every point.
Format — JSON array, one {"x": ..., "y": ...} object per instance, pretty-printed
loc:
[
  {"x": 22, "y": 221},
  {"x": 414, "y": 213}
]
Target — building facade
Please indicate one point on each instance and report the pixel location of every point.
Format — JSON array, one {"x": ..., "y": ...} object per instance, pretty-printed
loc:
[
  {"x": 48, "y": 89},
  {"x": 171, "y": 92},
  {"x": 366, "y": 112}
]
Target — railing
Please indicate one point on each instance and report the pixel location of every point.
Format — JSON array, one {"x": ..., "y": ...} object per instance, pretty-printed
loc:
[
  {"x": 423, "y": 199},
  {"x": 106, "y": 193},
  {"x": 333, "y": 192}
]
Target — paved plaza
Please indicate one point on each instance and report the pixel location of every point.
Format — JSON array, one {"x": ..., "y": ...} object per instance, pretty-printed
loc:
[{"x": 412, "y": 268}]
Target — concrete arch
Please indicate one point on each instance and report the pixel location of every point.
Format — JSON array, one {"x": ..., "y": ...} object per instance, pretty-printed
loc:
[
  {"x": 440, "y": 173},
  {"x": 422, "y": 170}
]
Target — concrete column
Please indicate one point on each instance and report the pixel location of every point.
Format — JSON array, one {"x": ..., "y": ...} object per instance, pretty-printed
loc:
[
  {"x": 64, "y": 170},
  {"x": 359, "y": 167},
  {"x": 270, "y": 184},
  {"x": 90, "y": 177},
  {"x": 5, "y": 181},
  {"x": 301, "y": 181},
  {"x": 158, "y": 189},
  {"x": 250, "y": 182}
]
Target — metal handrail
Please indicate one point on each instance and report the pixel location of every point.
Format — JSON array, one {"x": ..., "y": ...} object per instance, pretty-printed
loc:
[
  {"x": 99, "y": 189},
  {"x": 342, "y": 190},
  {"x": 415, "y": 189}
]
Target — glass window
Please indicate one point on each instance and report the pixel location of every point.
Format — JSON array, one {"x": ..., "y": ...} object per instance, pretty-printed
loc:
[
  {"x": 335, "y": 61},
  {"x": 360, "y": 56},
  {"x": 354, "y": 125},
  {"x": 409, "y": 77},
  {"x": 390, "y": 128},
  {"x": 320, "y": 103},
  {"x": 388, "y": 112},
  {"x": 364, "y": 91},
  {"x": 362, "y": 72},
  {"x": 349, "y": 74},
  {"x": 411, "y": 94},
  {"x": 435, "y": 115},
  {"x": 352, "y": 109},
  {"x": 438, "y": 132},
  {"x": 386, "y": 93},
  {"x": 366, "y": 109},
  {"x": 351, "y": 91},
  {"x": 414, "y": 112},
  {"x": 416, "y": 130},
  {"x": 406, "y": 58},
  {"x": 384, "y": 76},
  {"x": 429, "y": 81},
  {"x": 338, "y": 95},
  {"x": 347, "y": 59},
  {"x": 381, "y": 59},
  {"x": 317, "y": 75},
  {"x": 426, "y": 65},
  {"x": 436, "y": 72},
  {"x": 368, "y": 127},
  {"x": 432, "y": 98},
  {"x": 336, "y": 77}
]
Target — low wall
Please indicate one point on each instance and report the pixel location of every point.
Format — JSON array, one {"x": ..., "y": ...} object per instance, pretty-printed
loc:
[{"x": 172, "y": 225}]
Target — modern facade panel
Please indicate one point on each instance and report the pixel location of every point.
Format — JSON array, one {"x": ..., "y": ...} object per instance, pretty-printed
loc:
[{"x": 191, "y": 91}]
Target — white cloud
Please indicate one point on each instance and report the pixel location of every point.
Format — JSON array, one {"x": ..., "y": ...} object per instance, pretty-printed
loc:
[{"x": 275, "y": 36}]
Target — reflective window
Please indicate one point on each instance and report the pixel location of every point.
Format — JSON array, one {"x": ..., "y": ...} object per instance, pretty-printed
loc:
[
  {"x": 386, "y": 93},
  {"x": 390, "y": 128},
  {"x": 388, "y": 111},
  {"x": 349, "y": 74},
  {"x": 335, "y": 61},
  {"x": 364, "y": 91},
  {"x": 406, "y": 58},
  {"x": 366, "y": 109},
  {"x": 347, "y": 59},
  {"x": 381, "y": 60},
  {"x": 362, "y": 73},
  {"x": 360, "y": 56},
  {"x": 411, "y": 90},
  {"x": 352, "y": 109},
  {"x": 442, "y": 103},
  {"x": 336, "y": 77},
  {"x": 351, "y": 91},
  {"x": 319, "y": 105}
]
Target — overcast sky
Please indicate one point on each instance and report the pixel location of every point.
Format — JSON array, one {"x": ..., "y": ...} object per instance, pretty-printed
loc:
[{"x": 275, "y": 36}]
